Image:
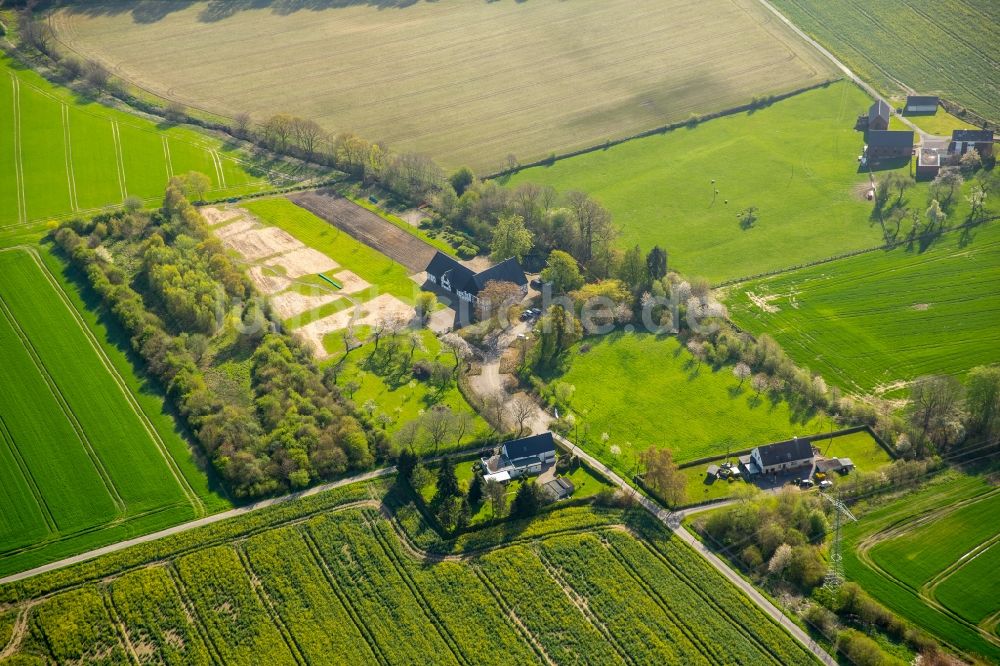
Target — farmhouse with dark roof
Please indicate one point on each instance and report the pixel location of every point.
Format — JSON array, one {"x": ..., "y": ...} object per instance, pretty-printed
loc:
[
  {"x": 452, "y": 276},
  {"x": 890, "y": 143},
  {"x": 964, "y": 139},
  {"x": 921, "y": 104},
  {"x": 780, "y": 457},
  {"x": 520, "y": 457}
]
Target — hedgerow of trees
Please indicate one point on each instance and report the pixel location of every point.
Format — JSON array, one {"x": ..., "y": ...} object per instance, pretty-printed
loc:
[{"x": 293, "y": 429}]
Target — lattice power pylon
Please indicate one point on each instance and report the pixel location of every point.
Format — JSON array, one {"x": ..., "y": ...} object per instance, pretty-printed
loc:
[{"x": 835, "y": 574}]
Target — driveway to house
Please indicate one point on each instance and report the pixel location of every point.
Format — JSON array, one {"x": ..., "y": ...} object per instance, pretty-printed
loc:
[{"x": 489, "y": 381}]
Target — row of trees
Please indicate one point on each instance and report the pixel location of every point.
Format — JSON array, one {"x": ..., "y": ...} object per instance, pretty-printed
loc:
[
  {"x": 294, "y": 428},
  {"x": 944, "y": 414}
]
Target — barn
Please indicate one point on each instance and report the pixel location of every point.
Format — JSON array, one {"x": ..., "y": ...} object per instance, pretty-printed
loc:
[
  {"x": 878, "y": 116},
  {"x": 921, "y": 104},
  {"x": 889, "y": 144}
]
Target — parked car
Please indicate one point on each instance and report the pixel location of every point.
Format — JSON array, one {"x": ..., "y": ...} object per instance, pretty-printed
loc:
[
  {"x": 825, "y": 483},
  {"x": 806, "y": 483}
]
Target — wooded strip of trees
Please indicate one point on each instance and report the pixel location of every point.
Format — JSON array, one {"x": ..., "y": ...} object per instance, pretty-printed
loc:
[{"x": 293, "y": 428}]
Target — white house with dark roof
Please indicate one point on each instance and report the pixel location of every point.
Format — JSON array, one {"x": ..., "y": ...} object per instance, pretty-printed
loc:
[
  {"x": 780, "y": 457},
  {"x": 520, "y": 457},
  {"x": 452, "y": 276}
]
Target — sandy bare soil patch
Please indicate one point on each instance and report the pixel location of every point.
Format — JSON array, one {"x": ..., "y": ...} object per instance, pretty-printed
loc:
[
  {"x": 383, "y": 307},
  {"x": 350, "y": 282},
  {"x": 256, "y": 244},
  {"x": 367, "y": 227},
  {"x": 216, "y": 216},
  {"x": 763, "y": 302},
  {"x": 267, "y": 281},
  {"x": 292, "y": 303},
  {"x": 303, "y": 261},
  {"x": 235, "y": 229}
]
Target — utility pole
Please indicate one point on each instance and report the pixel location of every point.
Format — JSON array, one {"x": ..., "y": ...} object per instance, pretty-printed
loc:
[{"x": 835, "y": 575}]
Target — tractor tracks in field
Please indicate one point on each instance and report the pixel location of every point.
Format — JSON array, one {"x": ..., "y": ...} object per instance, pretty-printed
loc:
[
  {"x": 22, "y": 207},
  {"x": 189, "y": 493},
  {"x": 68, "y": 155}
]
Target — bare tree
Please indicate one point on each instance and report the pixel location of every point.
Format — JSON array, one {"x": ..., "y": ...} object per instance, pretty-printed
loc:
[
  {"x": 495, "y": 408},
  {"x": 307, "y": 135},
  {"x": 936, "y": 409},
  {"x": 407, "y": 435},
  {"x": 241, "y": 124},
  {"x": 276, "y": 130},
  {"x": 438, "y": 424},
  {"x": 97, "y": 75},
  {"x": 461, "y": 425},
  {"x": 522, "y": 408},
  {"x": 697, "y": 349},
  {"x": 663, "y": 475}
]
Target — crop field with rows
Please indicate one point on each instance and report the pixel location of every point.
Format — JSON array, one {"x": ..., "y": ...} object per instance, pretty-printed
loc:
[
  {"x": 480, "y": 80},
  {"x": 870, "y": 321},
  {"x": 931, "y": 556},
  {"x": 85, "y": 459},
  {"x": 348, "y": 584},
  {"x": 945, "y": 47},
  {"x": 61, "y": 155}
]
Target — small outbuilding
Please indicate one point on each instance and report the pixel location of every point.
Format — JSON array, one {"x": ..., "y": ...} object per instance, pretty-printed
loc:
[
  {"x": 921, "y": 104},
  {"x": 559, "y": 488},
  {"x": 928, "y": 163},
  {"x": 878, "y": 116},
  {"x": 840, "y": 465},
  {"x": 713, "y": 471}
]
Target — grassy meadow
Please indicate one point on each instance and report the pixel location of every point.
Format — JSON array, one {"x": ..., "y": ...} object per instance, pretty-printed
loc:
[
  {"x": 389, "y": 387},
  {"x": 915, "y": 555},
  {"x": 945, "y": 48},
  {"x": 644, "y": 390},
  {"x": 940, "y": 122},
  {"x": 63, "y": 155},
  {"x": 88, "y": 457},
  {"x": 480, "y": 80},
  {"x": 871, "y": 320},
  {"x": 330, "y": 579},
  {"x": 796, "y": 161}
]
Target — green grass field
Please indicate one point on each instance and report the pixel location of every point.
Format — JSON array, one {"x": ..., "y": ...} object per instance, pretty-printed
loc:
[
  {"x": 61, "y": 155},
  {"x": 896, "y": 549},
  {"x": 920, "y": 553},
  {"x": 88, "y": 455},
  {"x": 396, "y": 393},
  {"x": 941, "y": 122},
  {"x": 577, "y": 77},
  {"x": 643, "y": 390},
  {"x": 964, "y": 591},
  {"x": 942, "y": 48},
  {"x": 795, "y": 160},
  {"x": 882, "y": 317},
  {"x": 329, "y": 579}
]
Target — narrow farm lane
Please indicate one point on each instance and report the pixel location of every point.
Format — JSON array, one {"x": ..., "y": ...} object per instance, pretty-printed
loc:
[
  {"x": 673, "y": 520},
  {"x": 841, "y": 66}
]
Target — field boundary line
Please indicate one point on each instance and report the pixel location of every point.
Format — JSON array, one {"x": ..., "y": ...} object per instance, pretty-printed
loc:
[
  {"x": 166, "y": 156},
  {"x": 22, "y": 205},
  {"x": 119, "y": 158},
  {"x": 930, "y": 587},
  {"x": 305, "y": 533},
  {"x": 191, "y": 611},
  {"x": 371, "y": 519},
  {"x": 580, "y": 603},
  {"x": 186, "y": 489},
  {"x": 29, "y": 478},
  {"x": 67, "y": 411},
  {"x": 119, "y": 626},
  {"x": 267, "y": 603},
  {"x": 68, "y": 155}
]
